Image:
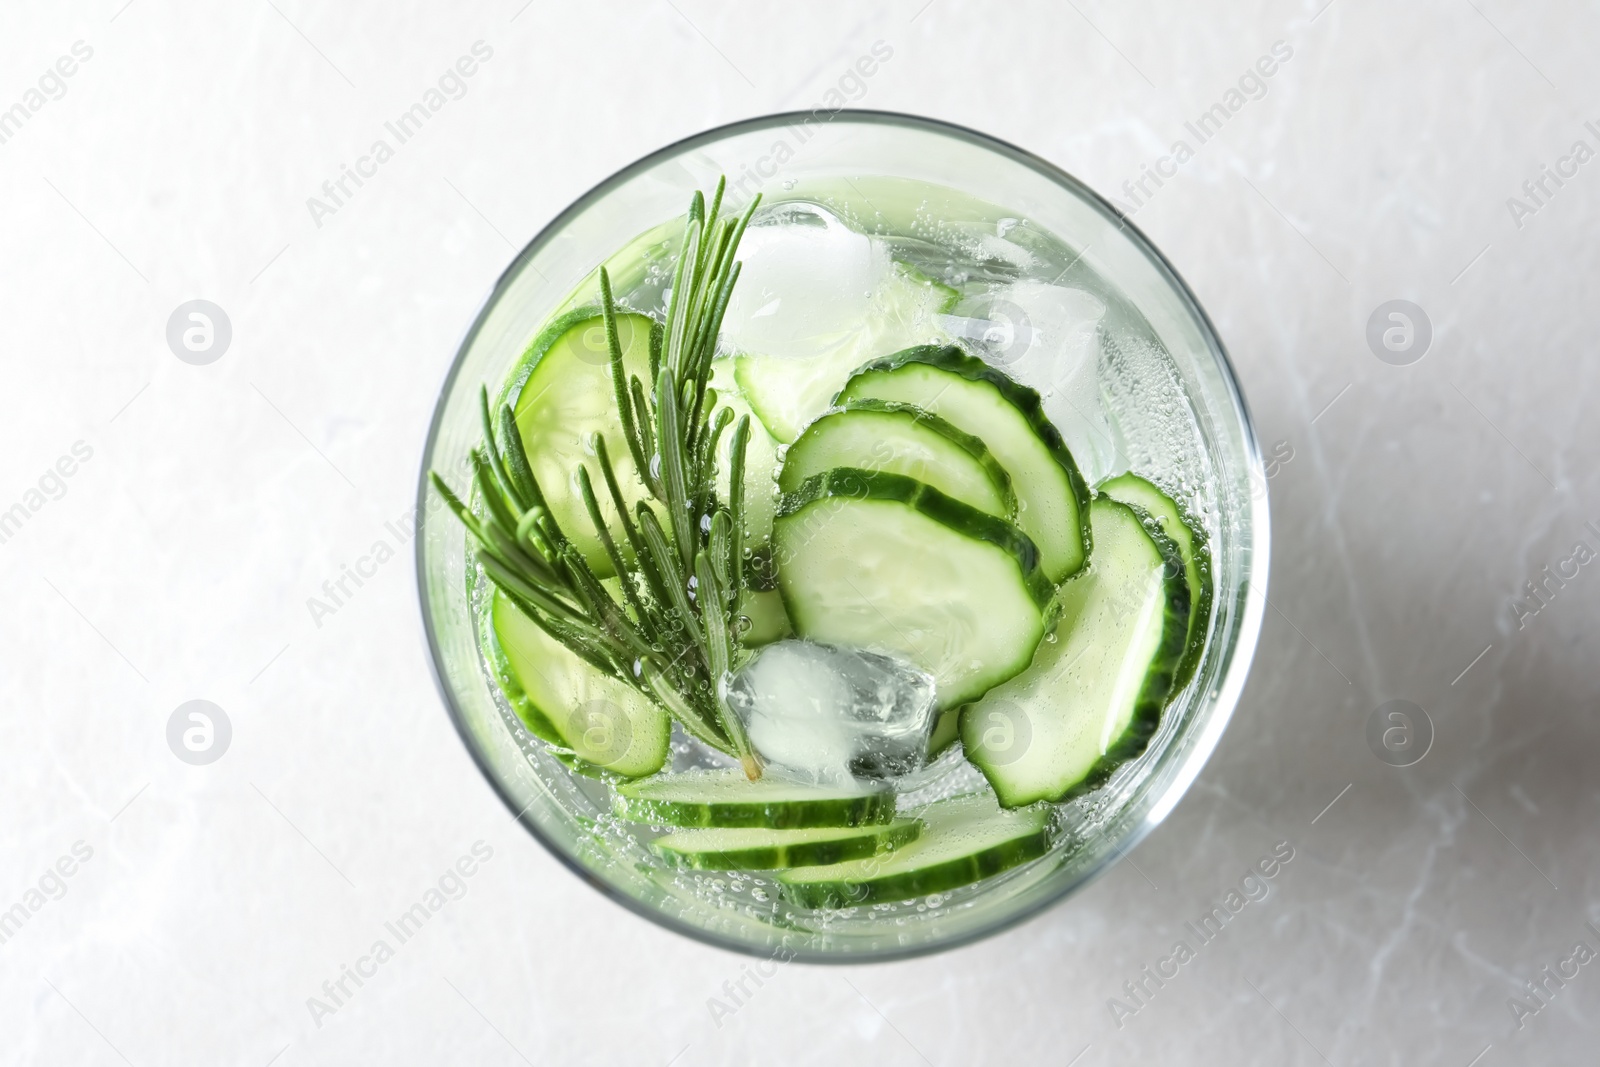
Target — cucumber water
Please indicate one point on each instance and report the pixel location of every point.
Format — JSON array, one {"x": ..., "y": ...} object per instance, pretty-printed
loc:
[{"x": 792, "y": 568}]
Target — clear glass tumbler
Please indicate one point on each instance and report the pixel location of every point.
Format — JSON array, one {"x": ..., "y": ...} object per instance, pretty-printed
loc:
[{"x": 1221, "y": 465}]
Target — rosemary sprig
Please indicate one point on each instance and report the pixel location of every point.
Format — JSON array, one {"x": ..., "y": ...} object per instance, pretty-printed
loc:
[{"x": 673, "y": 635}]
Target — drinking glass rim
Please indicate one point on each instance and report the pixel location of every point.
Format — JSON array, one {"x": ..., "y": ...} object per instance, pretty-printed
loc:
[{"x": 1243, "y": 640}]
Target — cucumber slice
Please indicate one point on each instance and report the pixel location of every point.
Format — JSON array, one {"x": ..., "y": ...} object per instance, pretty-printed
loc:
[
  {"x": 787, "y": 393},
  {"x": 882, "y": 435},
  {"x": 768, "y": 621},
  {"x": 1186, "y": 534},
  {"x": 765, "y": 850},
  {"x": 760, "y": 458},
  {"x": 728, "y": 798},
  {"x": 602, "y": 721},
  {"x": 884, "y": 562},
  {"x": 964, "y": 839},
  {"x": 1052, "y": 500},
  {"x": 566, "y": 398},
  {"x": 1093, "y": 696},
  {"x": 945, "y": 731}
]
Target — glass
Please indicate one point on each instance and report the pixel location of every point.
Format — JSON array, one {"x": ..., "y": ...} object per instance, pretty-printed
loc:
[{"x": 773, "y": 155}]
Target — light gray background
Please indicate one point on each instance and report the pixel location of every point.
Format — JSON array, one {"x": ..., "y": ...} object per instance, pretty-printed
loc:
[{"x": 178, "y": 564}]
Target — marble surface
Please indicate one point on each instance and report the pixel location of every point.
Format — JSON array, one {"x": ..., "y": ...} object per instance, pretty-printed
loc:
[{"x": 1410, "y": 503}]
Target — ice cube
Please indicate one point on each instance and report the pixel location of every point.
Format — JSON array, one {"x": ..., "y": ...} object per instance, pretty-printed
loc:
[
  {"x": 807, "y": 283},
  {"x": 828, "y": 715}
]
